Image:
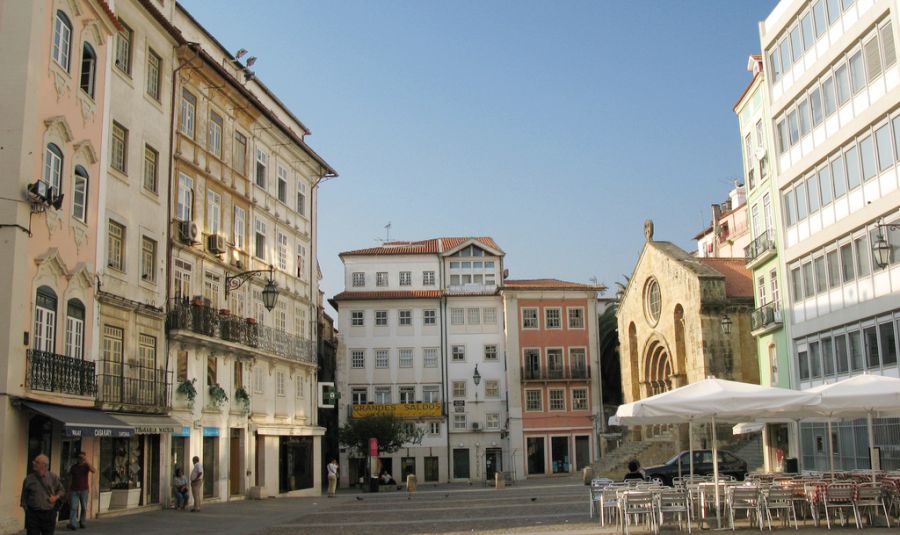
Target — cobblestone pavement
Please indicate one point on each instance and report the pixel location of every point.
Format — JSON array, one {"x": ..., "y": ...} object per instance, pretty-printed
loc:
[{"x": 538, "y": 507}]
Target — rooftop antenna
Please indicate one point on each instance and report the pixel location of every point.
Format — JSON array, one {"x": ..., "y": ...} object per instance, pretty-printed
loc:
[{"x": 387, "y": 229}]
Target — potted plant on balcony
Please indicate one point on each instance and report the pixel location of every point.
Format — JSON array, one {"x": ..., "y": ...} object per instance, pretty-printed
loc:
[
  {"x": 243, "y": 398},
  {"x": 217, "y": 395},
  {"x": 187, "y": 389},
  {"x": 224, "y": 312},
  {"x": 251, "y": 321}
]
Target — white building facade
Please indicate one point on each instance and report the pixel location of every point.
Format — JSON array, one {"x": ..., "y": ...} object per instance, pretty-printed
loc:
[
  {"x": 834, "y": 87},
  {"x": 416, "y": 318}
]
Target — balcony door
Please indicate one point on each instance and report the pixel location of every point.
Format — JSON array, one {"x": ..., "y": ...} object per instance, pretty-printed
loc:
[
  {"x": 532, "y": 363},
  {"x": 45, "y": 320},
  {"x": 555, "y": 363},
  {"x": 113, "y": 361}
]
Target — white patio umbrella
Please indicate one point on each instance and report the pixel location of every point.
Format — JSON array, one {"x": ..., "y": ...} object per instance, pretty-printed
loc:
[
  {"x": 856, "y": 397},
  {"x": 714, "y": 400}
]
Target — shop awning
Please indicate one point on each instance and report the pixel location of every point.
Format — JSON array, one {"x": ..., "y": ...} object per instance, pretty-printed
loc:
[
  {"x": 81, "y": 422},
  {"x": 150, "y": 424},
  {"x": 289, "y": 430}
]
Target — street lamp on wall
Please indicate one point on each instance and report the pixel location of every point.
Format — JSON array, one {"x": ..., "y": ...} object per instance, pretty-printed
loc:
[
  {"x": 269, "y": 293},
  {"x": 476, "y": 376},
  {"x": 726, "y": 324},
  {"x": 881, "y": 249}
]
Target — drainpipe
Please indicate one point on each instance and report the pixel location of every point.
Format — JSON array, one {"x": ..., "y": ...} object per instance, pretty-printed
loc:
[{"x": 444, "y": 358}]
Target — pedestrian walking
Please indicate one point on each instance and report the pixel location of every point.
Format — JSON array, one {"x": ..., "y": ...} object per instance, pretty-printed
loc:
[
  {"x": 197, "y": 484},
  {"x": 41, "y": 495},
  {"x": 79, "y": 490},
  {"x": 332, "y": 477},
  {"x": 180, "y": 482}
]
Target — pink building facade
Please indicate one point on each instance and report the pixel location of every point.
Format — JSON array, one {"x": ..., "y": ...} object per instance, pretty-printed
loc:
[
  {"x": 552, "y": 350},
  {"x": 55, "y": 64}
]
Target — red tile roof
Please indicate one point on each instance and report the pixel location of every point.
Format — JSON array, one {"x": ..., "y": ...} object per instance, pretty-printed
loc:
[
  {"x": 528, "y": 284},
  {"x": 104, "y": 5},
  {"x": 401, "y": 294},
  {"x": 430, "y": 246},
  {"x": 738, "y": 279}
]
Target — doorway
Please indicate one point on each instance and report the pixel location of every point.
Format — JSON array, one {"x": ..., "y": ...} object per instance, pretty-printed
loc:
[
  {"x": 560, "y": 451},
  {"x": 432, "y": 470},
  {"x": 210, "y": 465},
  {"x": 536, "y": 455},
  {"x": 493, "y": 462},
  {"x": 461, "y": 463},
  {"x": 582, "y": 451},
  {"x": 407, "y": 467},
  {"x": 295, "y": 463},
  {"x": 236, "y": 456}
]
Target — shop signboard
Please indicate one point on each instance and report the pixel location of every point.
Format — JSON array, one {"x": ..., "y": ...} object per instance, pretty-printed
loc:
[{"x": 401, "y": 410}]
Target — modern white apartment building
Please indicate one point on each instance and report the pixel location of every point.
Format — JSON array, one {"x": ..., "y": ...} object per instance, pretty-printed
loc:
[
  {"x": 834, "y": 87},
  {"x": 416, "y": 320}
]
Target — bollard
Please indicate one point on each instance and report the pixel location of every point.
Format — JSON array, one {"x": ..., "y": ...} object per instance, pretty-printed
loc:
[
  {"x": 587, "y": 475},
  {"x": 411, "y": 483},
  {"x": 499, "y": 481}
]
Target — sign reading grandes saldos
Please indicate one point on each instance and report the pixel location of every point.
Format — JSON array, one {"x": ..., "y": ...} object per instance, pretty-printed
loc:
[{"x": 401, "y": 410}]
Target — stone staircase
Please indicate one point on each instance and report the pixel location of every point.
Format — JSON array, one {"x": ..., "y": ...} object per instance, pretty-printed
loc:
[
  {"x": 648, "y": 452},
  {"x": 749, "y": 448}
]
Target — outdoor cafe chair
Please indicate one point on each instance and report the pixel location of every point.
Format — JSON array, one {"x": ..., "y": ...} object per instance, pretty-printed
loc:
[
  {"x": 597, "y": 486},
  {"x": 744, "y": 498},
  {"x": 674, "y": 501},
  {"x": 840, "y": 496},
  {"x": 638, "y": 506},
  {"x": 608, "y": 506},
  {"x": 870, "y": 496},
  {"x": 778, "y": 499}
]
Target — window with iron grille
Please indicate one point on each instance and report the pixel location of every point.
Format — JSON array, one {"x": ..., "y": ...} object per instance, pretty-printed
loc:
[
  {"x": 405, "y": 278},
  {"x": 428, "y": 278},
  {"x": 359, "y": 279},
  {"x": 382, "y": 358},
  {"x": 457, "y": 316},
  {"x": 430, "y": 357},
  {"x": 406, "y": 358},
  {"x": 381, "y": 278}
]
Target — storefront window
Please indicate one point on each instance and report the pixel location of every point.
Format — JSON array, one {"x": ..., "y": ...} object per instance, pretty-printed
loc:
[
  {"x": 121, "y": 463},
  {"x": 296, "y": 470},
  {"x": 210, "y": 463}
]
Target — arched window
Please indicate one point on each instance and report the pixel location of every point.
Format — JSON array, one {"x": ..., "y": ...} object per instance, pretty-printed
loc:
[
  {"x": 79, "y": 196},
  {"x": 75, "y": 329},
  {"x": 53, "y": 164},
  {"x": 62, "y": 40},
  {"x": 88, "y": 69},
  {"x": 45, "y": 320}
]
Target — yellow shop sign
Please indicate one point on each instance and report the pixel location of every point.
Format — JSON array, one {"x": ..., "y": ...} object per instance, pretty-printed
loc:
[{"x": 401, "y": 410}]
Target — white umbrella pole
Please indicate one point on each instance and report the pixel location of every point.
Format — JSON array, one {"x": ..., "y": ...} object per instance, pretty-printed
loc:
[
  {"x": 691, "y": 447},
  {"x": 715, "y": 454},
  {"x": 830, "y": 451},
  {"x": 871, "y": 430}
]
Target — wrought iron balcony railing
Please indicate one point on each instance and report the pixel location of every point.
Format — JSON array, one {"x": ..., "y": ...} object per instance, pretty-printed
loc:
[
  {"x": 205, "y": 320},
  {"x": 768, "y": 315},
  {"x": 555, "y": 374},
  {"x": 764, "y": 244},
  {"x": 133, "y": 386},
  {"x": 50, "y": 372}
]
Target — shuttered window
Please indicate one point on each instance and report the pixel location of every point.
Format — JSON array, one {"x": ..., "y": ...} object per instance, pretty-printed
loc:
[{"x": 873, "y": 58}]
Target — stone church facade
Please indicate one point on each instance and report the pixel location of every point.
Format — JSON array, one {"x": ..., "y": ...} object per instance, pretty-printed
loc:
[{"x": 670, "y": 320}]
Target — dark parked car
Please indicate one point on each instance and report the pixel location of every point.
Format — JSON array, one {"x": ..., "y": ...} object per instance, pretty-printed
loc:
[{"x": 729, "y": 464}]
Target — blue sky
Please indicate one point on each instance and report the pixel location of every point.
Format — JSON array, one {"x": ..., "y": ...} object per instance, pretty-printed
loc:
[{"x": 554, "y": 127}]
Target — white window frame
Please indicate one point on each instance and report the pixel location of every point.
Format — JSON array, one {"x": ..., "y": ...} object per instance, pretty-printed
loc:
[
  {"x": 457, "y": 316},
  {"x": 528, "y": 401},
  {"x": 404, "y": 318},
  {"x": 213, "y": 211},
  {"x": 428, "y": 278},
  {"x": 490, "y": 352},
  {"x": 561, "y": 399},
  {"x": 240, "y": 228},
  {"x": 458, "y": 353},
  {"x": 357, "y": 318},
  {"x": 430, "y": 357},
  {"x": 406, "y": 278},
  {"x": 359, "y": 279},
  {"x": 527, "y": 321},
  {"x": 61, "y": 51},
  {"x": 405, "y": 357},
  {"x": 579, "y": 317},
  {"x": 459, "y": 389},
  {"x": 381, "y": 318},
  {"x": 429, "y": 317},
  {"x": 579, "y": 404},
  {"x": 382, "y": 359},
  {"x": 185, "y": 208},
  {"x": 547, "y": 319}
]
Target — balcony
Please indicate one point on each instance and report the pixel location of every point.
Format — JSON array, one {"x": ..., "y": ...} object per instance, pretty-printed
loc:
[
  {"x": 131, "y": 387},
  {"x": 49, "y": 372},
  {"x": 765, "y": 319},
  {"x": 204, "y": 320},
  {"x": 556, "y": 374},
  {"x": 760, "y": 249}
]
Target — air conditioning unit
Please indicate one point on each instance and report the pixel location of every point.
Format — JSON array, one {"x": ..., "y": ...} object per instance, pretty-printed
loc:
[
  {"x": 188, "y": 232},
  {"x": 476, "y": 426},
  {"x": 216, "y": 243}
]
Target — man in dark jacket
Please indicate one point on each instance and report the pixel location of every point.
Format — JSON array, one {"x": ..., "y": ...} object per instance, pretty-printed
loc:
[{"x": 41, "y": 491}]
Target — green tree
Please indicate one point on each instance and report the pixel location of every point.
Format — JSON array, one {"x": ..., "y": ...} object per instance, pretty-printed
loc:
[{"x": 392, "y": 433}]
